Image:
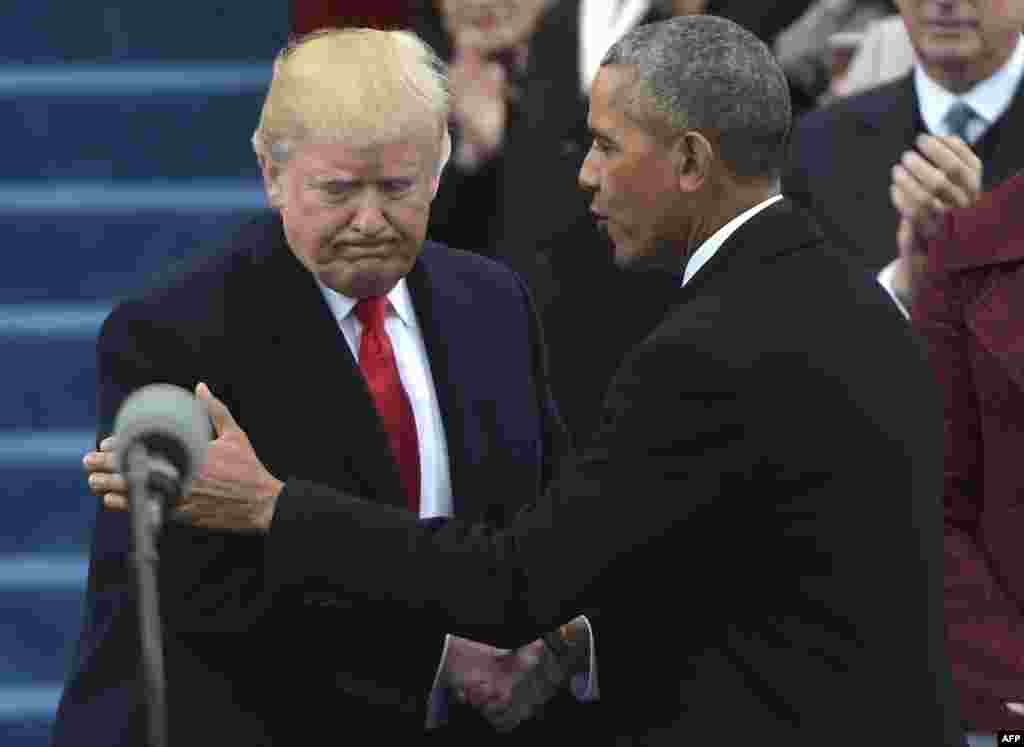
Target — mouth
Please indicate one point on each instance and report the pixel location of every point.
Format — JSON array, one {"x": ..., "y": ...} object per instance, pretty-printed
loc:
[
  {"x": 949, "y": 25},
  {"x": 355, "y": 253}
]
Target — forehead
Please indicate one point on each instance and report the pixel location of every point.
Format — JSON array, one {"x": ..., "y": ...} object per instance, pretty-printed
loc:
[
  {"x": 606, "y": 104},
  {"x": 338, "y": 159}
]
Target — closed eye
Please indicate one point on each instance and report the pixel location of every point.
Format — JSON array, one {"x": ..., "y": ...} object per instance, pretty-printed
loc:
[
  {"x": 396, "y": 186},
  {"x": 336, "y": 188}
]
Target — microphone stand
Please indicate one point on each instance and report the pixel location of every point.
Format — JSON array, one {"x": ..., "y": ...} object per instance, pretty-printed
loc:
[{"x": 149, "y": 491}]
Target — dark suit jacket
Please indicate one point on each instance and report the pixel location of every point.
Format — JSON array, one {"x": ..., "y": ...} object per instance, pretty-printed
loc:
[
  {"x": 972, "y": 315},
  {"x": 842, "y": 157},
  {"x": 243, "y": 667},
  {"x": 755, "y": 527}
]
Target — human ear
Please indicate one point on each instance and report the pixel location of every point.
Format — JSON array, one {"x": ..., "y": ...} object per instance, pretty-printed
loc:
[
  {"x": 446, "y": 153},
  {"x": 694, "y": 157},
  {"x": 271, "y": 180}
]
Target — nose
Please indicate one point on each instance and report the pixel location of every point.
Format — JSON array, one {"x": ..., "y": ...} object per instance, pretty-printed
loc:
[
  {"x": 369, "y": 218},
  {"x": 588, "y": 178}
]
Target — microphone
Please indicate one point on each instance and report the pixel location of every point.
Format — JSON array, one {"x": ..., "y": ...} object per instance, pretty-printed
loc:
[{"x": 162, "y": 436}]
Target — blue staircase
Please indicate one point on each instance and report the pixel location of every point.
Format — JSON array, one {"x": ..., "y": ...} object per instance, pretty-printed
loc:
[{"x": 127, "y": 130}]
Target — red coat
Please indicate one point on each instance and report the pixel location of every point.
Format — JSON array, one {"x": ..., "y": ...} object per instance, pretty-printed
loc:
[{"x": 971, "y": 314}]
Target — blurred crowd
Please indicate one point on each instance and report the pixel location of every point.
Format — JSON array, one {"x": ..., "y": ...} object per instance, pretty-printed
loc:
[{"x": 869, "y": 79}]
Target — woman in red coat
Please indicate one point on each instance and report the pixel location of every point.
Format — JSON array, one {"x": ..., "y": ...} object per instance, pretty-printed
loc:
[{"x": 970, "y": 311}]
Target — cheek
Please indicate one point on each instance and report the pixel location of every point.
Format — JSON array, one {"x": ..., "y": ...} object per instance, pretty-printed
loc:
[
  {"x": 309, "y": 226},
  {"x": 410, "y": 218}
]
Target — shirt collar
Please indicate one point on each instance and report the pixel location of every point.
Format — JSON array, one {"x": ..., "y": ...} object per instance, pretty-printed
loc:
[
  {"x": 341, "y": 305},
  {"x": 990, "y": 98},
  {"x": 708, "y": 249}
]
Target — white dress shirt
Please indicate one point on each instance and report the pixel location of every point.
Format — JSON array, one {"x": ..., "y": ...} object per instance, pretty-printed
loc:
[
  {"x": 710, "y": 247},
  {"x": 989, "y": 99},
  {"x": 403, "y": 329}
]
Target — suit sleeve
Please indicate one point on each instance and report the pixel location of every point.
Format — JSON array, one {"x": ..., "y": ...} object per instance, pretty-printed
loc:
[
  {"x": 576, "y": 546},
  {"x": 208, "y": 582},
  {"x": 985, "y": 629}
]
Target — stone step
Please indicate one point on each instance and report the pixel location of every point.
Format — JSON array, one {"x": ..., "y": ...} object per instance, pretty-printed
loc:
[
  {"x": 72, "y": 242},
  {"x": 41, "y": 600},
  {"x": 126, "y": 30},
  {"x": 163, "y": 121},
  {"x": 49, "y": 354},
  {"x": 19, "y": 730},
  {"x": 47, "y": 503}
]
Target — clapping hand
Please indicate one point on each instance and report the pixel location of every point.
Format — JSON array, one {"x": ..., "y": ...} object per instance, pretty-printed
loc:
[
  {"x": 943, "y": 173},
  {"x": 479, "y": 105}
]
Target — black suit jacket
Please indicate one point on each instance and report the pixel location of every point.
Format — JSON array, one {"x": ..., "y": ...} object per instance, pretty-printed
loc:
[
  {"x": 755, "y": 527},
  {"x": 245, "y": 666},
  {"x": 842, "y": 157}
]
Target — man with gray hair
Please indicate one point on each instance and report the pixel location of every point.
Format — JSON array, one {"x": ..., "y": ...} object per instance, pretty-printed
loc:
[
  {"x": 353, "y": 351},
  {"x": 746, "y": 578}
]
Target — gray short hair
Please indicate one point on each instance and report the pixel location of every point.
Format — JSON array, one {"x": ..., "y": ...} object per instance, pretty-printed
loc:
[{"x": 706, "y": 73}]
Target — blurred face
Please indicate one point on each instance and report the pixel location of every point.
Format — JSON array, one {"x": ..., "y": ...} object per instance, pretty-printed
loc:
[
  {"x": 961, "y": 42},
  {"x": 490, "y": 25},
  {"x": 636, "y": 195},
  {"x": 355, "y": 218}
]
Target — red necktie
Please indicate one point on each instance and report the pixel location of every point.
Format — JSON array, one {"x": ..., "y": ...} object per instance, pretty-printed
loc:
[{"x": 377, "y": 360}]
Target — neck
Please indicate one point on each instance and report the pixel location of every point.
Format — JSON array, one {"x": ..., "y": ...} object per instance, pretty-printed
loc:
[
  {"x": 725, "y": 204},
  {"x": 959, "y": 76}
]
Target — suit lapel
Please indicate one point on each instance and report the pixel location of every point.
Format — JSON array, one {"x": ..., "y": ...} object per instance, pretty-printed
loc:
[
  {"x": 324, "y": 402},
  {"x": 885, "y": 130},
  {"x": 441, "y": 318},
  {"x": 894, "y": 116},
  {"x": 1009, "y": 153}
]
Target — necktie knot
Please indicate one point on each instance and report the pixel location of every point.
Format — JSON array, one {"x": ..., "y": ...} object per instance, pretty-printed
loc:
[
  {"x": 371, "y": 311},
  {"x": 959, "y": 118}
]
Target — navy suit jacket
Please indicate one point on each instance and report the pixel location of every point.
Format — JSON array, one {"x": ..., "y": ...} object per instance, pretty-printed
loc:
[
  {"x": 842, "y": 157},
  {"x": 245, "y": 666}
]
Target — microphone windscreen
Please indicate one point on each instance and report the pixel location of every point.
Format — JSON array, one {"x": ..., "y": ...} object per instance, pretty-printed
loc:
[{"x": 170, "y": 422}]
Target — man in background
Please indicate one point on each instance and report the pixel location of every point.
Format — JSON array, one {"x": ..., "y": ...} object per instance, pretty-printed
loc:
[{"x": 965, "y": 82}]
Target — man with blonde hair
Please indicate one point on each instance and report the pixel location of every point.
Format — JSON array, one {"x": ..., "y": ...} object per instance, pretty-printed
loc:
[{"x": 351, "y": 349}]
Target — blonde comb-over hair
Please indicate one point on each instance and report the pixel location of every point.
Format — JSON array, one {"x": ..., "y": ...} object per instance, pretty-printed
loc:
[{"x": 357, "y": 87}]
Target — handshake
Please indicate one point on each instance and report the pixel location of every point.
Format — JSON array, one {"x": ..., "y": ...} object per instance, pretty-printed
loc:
[{"x": 510, "y": 687}]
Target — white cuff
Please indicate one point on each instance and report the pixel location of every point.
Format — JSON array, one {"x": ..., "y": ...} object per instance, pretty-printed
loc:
[
  {"x": 885, "y": 278},
  {"x": 437, "y": 701},
  {"x": 583, "y": 686}
]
